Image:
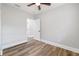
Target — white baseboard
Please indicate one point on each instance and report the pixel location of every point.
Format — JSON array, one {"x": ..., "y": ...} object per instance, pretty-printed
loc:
[
  {"x": 13, "y": 43},
  {"x": 1, "y": 52},
  {"x": 61, "y": 46}
]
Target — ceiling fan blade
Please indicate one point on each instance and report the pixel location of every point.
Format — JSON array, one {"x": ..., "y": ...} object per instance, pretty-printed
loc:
[
  {"x": 48, "y": 4},
  {"x": 39, "y": 8},
  {"x": 31, "y": 4}
]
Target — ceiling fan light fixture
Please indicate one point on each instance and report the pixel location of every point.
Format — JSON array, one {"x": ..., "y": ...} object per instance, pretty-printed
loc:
[{"x": 37, "y": 4}]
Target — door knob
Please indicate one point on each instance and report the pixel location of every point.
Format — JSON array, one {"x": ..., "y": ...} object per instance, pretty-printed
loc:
[{"x": 39, "y": 31}]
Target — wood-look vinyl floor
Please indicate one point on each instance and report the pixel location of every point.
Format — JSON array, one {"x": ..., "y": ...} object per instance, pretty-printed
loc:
[{"x": 37, "y": 48}]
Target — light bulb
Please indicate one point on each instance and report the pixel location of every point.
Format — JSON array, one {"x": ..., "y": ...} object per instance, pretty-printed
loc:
[{"x": 37, "y": 4}]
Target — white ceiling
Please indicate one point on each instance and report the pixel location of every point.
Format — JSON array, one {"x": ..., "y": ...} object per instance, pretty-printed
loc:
[{"x": 33, "y": 9}]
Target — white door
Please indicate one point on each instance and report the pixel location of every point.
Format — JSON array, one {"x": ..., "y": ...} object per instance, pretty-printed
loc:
[
  {"x": 37, "y": 29},
  {"x": 33, "y": 29}
]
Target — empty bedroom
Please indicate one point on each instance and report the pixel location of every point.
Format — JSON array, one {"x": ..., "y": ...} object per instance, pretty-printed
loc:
[{"x": 39, "y": 29}]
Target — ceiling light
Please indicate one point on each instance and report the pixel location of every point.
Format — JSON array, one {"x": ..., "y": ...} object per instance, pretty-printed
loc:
[{"x": 37, "y": 4}]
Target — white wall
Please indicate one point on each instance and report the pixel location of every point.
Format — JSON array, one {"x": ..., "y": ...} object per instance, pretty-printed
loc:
[
  {"x": 61, "y": 25},
  {"x": 0, "y": 29},
  {"x": 13, "y": 25}
]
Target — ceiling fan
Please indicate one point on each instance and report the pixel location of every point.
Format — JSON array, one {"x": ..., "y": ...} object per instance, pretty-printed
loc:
[{"x": 39, "y": 5}]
